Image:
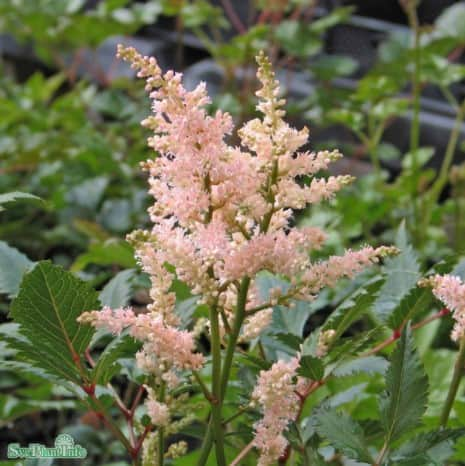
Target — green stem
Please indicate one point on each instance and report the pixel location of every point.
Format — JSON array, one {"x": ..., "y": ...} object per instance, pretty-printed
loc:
[
  {"x": 449, "y": 155},
  {"x": 203, "y": 387},
  {"x": 449, "y": 97},
  {"x": 375, "y": 134},
  {"x": 416, "y": 93},
  {"x": 216, "y": 386},
  {"x": 454, "y": 386},
  {"x": 416, "y": 90},
  {"x": 108, "y": 421},
  {"x": 381, "y": 455},
  {"x": 236, "y": 328},
  {"x": 442, "y": 178},
  {"x": 161, "y": 433},
  {"x": 206, "y": 445},
  {"x": 238, "y": 413}
]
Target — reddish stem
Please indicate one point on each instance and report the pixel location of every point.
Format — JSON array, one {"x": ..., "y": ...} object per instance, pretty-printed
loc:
[
  {"x": 89, "y": 389},
  {"x": 233, "y": 17},
  {"x": 137, "y": 399},
  {"x": 89, "y": 358},
  {"x": 456, "y": 53},
  {"x": 141, "y": 439},
  {"x": 397, "y": 332}
]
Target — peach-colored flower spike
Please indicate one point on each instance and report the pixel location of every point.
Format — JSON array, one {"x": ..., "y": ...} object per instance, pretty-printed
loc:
[
  {"x": 164, "y": 345},
  {"x": 220, "y": 212},
  {"x": 450, "y": 289}
]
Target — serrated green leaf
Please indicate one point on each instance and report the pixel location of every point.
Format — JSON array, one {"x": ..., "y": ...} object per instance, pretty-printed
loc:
[
  {"x": 416, "y": 301},
  {"x": 13, "y": 265},
  {"x": 254, "y": 362},
  {"x": 311, "y": 368},
  {"x": 17, "y": 196},
  {"x": 315, "y": 458},
  {"x": 290, "y": 340},
  {"x": 402, "y": 274},
  {"x": 404, "y": 402},
  {"x": 117, "y": 291},
  {"x": 346, "y": 348},
  {"x": 10, "y": 334},
  {"x": 344, "y": 434},
  {"x": 436, "y": 446},
  {"x": 367, "y": 365},
  {"x": 107, "y": 365},
  {"x": 353, "y": 308},
  {"x": 47, "y": 306}
]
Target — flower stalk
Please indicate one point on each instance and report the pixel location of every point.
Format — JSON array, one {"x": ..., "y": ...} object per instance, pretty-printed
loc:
[
  {"x": 459, "y": 369},
  {"x": 217, "y": 423}
]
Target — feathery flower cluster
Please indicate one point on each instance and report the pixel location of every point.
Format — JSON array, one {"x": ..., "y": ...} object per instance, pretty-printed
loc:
[
  {"x": 165, "y": 347},
  {"x": 158, "y": 412},
  {"x": 214, "y": 229},
  {"x": 276, "y": 393},
  {"x": 256, "y": 323},
  {"x": 451, "y": 291},
  {"x": 325, "y": 339},
  {"x": 329, "y": 272}
]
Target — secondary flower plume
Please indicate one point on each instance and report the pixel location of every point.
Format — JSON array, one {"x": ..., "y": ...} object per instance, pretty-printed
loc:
[
  {"x": 451, "y": 291},
  {"x": 276, "y": 393}
]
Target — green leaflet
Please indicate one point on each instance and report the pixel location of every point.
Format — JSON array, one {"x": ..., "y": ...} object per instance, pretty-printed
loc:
[
  {"x": 415, "y": 301},
  {"x": 404, "y": 402},
  {"x": 13, "y": 265},
  {"x": 402, "y": 274},
  {"x": 107, "y": 365},
  {"x": 311, "y": 368},
  {"x": 354, "y": 307},
  {"x": 15, "y": 196},
  {"x": 284, "y": 320},
  {"x": 436, "y": 446},
  {"x": 343, "y": 433},
  {"x": 117, "y": 291},
  {"x": 46, "y": 308}
]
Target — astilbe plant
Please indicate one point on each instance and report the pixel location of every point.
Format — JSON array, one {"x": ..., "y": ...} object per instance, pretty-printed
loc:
[{"x": 221, "y": 215}]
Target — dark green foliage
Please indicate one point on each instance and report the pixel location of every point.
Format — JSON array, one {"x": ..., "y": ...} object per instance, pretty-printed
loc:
[
  {"x": 404, "y": 402},
  {"x": 46, "y": 308},
  {"x": 343, "y": 433}
]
